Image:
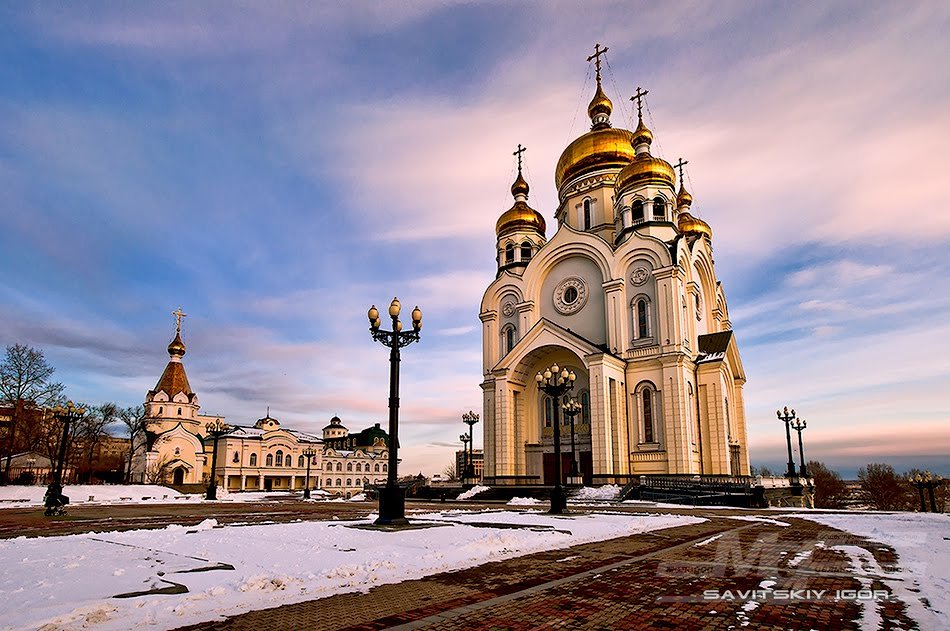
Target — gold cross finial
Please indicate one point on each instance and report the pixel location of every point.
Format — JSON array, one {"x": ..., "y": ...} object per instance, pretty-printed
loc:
[
  {"x": 638, "y": 97},
  {"x": 178, "y": 316},
  {"x": 518, "y": 153},
  {"x": 596, "y": 58},
  {"x": 679, "y": 165}
]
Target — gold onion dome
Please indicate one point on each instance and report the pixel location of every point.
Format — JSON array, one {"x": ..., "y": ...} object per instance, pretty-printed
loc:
[
  {"x": 520, "y": 187},
  {"x": 177, "y": 347},
  {"x": 644, "y": 169},
  {"x": 683, "y": 198},
  {"x": 600, "y": 104},
  {"x": 693, "y": 225},
  {"x": 520, "y": 216},
  {"x": 603, "y": 148},
  {"x": 642, "y": 134}
]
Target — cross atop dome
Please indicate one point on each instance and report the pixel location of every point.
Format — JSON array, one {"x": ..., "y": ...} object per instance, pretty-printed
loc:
[
  {"x": 596, "y": 58},
  {"x": 638, "y": 97},
  {"x": 600, "y": 106}
]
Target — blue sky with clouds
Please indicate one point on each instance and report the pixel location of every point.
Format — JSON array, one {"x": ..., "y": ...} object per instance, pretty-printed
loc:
[{"x": 276, "y": 168}]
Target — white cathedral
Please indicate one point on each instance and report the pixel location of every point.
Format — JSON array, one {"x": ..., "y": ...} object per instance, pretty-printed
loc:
[{"x": 625, "y": 295}]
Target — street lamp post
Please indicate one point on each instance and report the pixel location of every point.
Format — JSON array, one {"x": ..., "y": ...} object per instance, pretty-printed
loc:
[
  {"x": 217, "y": 429},
  {"x": 787, "y": 417},
  {"x": 470, "y": 418},
  {"x": 308, "y": 453},
  {"x": 798, "y": 425},
  {"x": 555, "y": 383},
  {"x": 571, "y": 409},
  {"x": 929, "y": 481},
  {"x": 392, "y": 501},
  {"x": 54, "y": 492},
  {"x": 465, "y": 440}
]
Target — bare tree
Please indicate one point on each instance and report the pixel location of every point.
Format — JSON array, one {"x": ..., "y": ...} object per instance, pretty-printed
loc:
[
  {"x": 883, "y": 488},
  {"x": 449, "y": 472},
  {"x": 90, "y": 431},
  {"x": 830, "y": 489},
  {"x": 157, "y": 472},
  {"x": 135, "y": 421},
  {"x": 24, "y": 379}
]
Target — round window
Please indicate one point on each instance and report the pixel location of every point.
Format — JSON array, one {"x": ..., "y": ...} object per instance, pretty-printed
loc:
[{"x": 570, "y": 295}]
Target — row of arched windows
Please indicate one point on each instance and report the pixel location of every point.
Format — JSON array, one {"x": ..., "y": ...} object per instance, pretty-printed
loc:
[
  {"x": 638, "y": 214},
  {"x": 526, "y": 252},
  {"x": 582, "y": 418},
  {"x": 359, "y": 467}
]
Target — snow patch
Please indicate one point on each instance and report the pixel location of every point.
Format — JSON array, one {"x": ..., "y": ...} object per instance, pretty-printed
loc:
[{"x": 472, "y": 492}]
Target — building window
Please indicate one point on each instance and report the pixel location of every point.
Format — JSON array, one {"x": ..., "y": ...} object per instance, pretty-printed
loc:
[
  {"x": 659, "y": 209},
  {"x": 253, "y": 460},
  {"x": 587, "y": 221},
  {"x": 526, "y": 251},
  {"x": 648, "y": 405},
  {"x": 177, "y": 451},
  {"x": 269, "y": 461},
  {"x": 236, "y": 458},
  {"x": 359, "y": 467},
  {"x": 508, "y": 335},
  {"x": 548, "y": 412},
  {"x": 339, "y": 466},
  {"x": 376, "y": 467},
  {"x": 161, "y": 410},
  {"x": 349, "y": 481},
  {"x": 349, "y": 466},
  {"x": 300, "y": 463},
  {"x": 179, "y": 411},
  {"x": 509, "y": 254},
  {"x": 585, "y": 407},
  {"x": 329, "y": 481},
  {"x": 280, "y": 458},
  {"x": 637, "y": 211},
  {"x": 647, "y": 396},
  {"x": 385, "y": 467},
  {"x": 339, "y": 482},
  {"x": 642, "y": 318}
]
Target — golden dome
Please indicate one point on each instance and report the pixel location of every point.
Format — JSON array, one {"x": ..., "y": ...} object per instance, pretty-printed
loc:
[
  {"x": 645, "y": 169},
  {"x": 642, "y": 134},
  {"x": 520, "y": 187},
  {"x": 693, "y": 225},
  {"x": 683, "y": 198},
  {"x": 598, "y": 149},
  {"x": 177, "y": 347},
  {"x": 600, "y": 104},
  {"x": 520, "y": 217}
]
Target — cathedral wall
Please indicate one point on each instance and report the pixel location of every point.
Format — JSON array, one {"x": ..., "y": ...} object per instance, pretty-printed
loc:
[{"x": 589, "y": 320}]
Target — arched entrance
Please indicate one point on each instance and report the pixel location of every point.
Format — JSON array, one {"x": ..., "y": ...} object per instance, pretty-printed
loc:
[{"x": 178, "y": 477}]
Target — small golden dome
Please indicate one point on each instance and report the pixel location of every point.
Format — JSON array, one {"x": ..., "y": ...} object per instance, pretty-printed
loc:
[
  {"x": 520, "y": 217},
  {"x": 177, "y": 347},
  {"x": 520, "y": 187},
  {"x": 693, "y": 225},
  {"x": 642, "y": 134},
  {"x": 598, "y": 149},
  {"x": 600, "y": 104},
  {"x": 683, "y": 198},
  {"x": 645, "y": 169}
]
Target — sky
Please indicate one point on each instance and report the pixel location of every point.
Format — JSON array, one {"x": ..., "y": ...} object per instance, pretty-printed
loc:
[{"x": 276, "y": 168}]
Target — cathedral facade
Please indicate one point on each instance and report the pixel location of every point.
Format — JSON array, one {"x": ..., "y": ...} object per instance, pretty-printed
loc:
[{"x": 624, "y": 295}]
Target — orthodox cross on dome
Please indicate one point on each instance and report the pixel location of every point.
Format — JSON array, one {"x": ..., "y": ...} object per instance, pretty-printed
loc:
[
  {"x": 518, "y": 154},
  {"x": 638, "y": 97},
  {"x": 178, "y": 316},
  {"x": 679, "y": 165},
  {"x": 596, "y": 59}
]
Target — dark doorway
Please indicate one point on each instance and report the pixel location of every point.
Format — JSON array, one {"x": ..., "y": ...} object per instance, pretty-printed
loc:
[
  {"x": 549, "y": 467},
  {"x": 179, "y": 476},
  {"x": 268, "y": 484},
  {"x": 586, "y": 463}
]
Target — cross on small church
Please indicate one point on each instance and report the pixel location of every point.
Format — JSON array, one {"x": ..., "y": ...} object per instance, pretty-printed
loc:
[
  {"x": 518, "y": 153},
  {"x": 178, "y": 316},
  {"x": 679, "y": 165},
  {"x": 638, "y": 97},
  {"x": 596, "y": 56}
]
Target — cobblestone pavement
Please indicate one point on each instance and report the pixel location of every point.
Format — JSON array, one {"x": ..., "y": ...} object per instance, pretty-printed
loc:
[{"x": 647, "y": 581}]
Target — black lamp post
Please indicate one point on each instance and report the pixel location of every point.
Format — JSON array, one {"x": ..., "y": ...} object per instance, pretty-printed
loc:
[
  {"x": 555, "y": 383},
  {"x": 392, "y": 500},
  {"x": 470, "y": 418},
  {"x": 54, "y": 492},
  {"x": 929, "y": 481},
  {"x": 798, "y": 425},
  {"x": 571, "y": 409},
  {"x": 308, "y": 453},
  {"x": 788, "y": 417},
  {"x": 217, "y": 429},
  {"x": 465, "y": 440}
]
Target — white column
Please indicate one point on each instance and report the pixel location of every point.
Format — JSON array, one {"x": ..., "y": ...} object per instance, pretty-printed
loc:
[{"x": 243, "y": 482}]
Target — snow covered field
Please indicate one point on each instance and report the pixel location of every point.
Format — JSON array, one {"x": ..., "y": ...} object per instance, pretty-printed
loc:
[
  {"x": 20, "y": 496},
  {"x": 71, "y": 582}
]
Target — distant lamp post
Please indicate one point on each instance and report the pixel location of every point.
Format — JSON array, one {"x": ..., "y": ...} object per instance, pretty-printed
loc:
[
  {"x": 571, "y": 409},
  {"x": 798, "y": 425},
  {"x": 555, "y": 383},
  {"x": 929, "y": 481},
  {"x": 217, "y": 429},
  {"x": 66, "y": 415},
  {"x": 308, "y": 453},
  {"x": 787, "y": 417},
  {"x": 465, "y": 440},
  {"x": 392, "y": 500},
  {"x": 470, "y": 418}
]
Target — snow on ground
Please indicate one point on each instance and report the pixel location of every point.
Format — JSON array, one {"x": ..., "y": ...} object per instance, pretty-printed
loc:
[
  {"x": 604, "y": 493},
  {"x": 472, "y": 492},
  {"x": 70, "y": 582},
  {"x": 922, "y": 543},
  {"x": 524, "y": 501},
  {"x": 20, "y": 496}
]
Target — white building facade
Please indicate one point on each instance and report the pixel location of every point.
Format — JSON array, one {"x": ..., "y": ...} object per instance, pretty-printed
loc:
[{"x": 625, "y": 295}]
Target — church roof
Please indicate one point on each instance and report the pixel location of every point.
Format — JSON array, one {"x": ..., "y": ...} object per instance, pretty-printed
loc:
[
  {"x": 243, "y": 431},
  {"x": 174, "y": 380}
]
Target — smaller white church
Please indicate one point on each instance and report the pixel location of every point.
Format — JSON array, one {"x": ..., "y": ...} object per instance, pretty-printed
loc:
[{"x": 625, "y": 295}]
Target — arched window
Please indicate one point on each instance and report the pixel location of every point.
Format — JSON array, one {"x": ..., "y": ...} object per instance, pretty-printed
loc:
[
  {"x": 508, "y": 335},
  {"x": 339, "y": 466},
  {"x": 236, "y": 458},
  {"x": 376, "y": 468},
  {"x": 177, "y": 451},
  {"x": 253, "y": 460},
  {"x": 365, "y": 481},
  {"x": 179, "y": 411},
  {"x": 643, "y": 326},
  {"x": 359, "y": 467},
  {"x": 385, "y": 466},
  {"x": 280, "y": 458},
  {"x": 548, "y": 412},
  {"x": 526, "y": 251},
  {"x": 349, "y": 466},
  {"x": 269, "y": 461},
  {"x": 659, "y": 209},
  {"x": 300, "y": 462},
  {"x": 339, "y": 482},
  {"x": 329, "y": 481},
  {"x": 647, "y": 401},
  {"x": 509, "y": 254},
  {"x": 647, "y": 396},
  {"x": 585, "y": 407},
  {"x": 349, "y": 481},
  {"x": 161, "y": 410},
  {"x": 587, "y": 214},
  {"x": 637, "y": 212}
]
